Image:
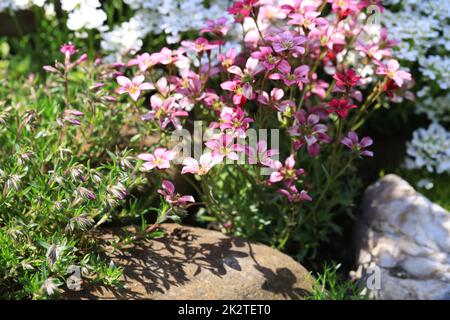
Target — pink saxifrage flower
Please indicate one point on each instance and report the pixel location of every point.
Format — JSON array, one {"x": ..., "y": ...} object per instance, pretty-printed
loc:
[
  {"x": 160, "y": 159},
  {"x": 340, "y": 107},
  {"x": 308, "y": 131},
  {"x": 287, "y": 173},
  {"x": 175, "y": 199},
  {"x": 352, "y": 142},
  {"x": 203, "y": 166},
  {"x": 224, "y": 146},
  {"x": 391, "y": 70},
  {"x": 133, "y": 87}
]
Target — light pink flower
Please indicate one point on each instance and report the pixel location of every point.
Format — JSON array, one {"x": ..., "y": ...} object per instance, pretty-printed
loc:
[
  {"x": 133, "y": 87},
  {"x": 309, "y": 20},
  {"x": 218, "y": 27},
  {"x": 165, "y": 111},
  {"x": 275, "y": 99},
  {"x": 373, "y": 51},
  {"x": 261, "y": 154},
  {"x": 224, "y": 146},
  {"x": 207, "y": 162},
  {"x": 175, "y": 199},
  {"x": 242, "y": 93},
  {"x": 228, "y": 59},
  {"x": 143, "y": 61},
  {"x": 234, "y": 120},
  {"x": 287, "y": 173},
  {"x": 200, "y": 45},
  {"x": 267, "y": 57},
  {"x": 160, "y": 159},
  {"x": 352, "y": 142},
  {"x": 391, "y": 70},
  {"x": 176, "y": 57}
]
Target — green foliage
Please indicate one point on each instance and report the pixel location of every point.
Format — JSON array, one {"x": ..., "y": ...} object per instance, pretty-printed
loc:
[{"x": 328, "y": 285}]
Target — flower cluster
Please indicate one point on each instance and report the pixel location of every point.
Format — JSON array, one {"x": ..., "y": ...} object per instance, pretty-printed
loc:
[
  {"x": 429, "y": 148},
  {"x": 275, "y": 78}
]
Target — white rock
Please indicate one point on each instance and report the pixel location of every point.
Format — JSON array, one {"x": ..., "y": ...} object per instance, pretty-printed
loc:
[{"x": 407, "y": 237}]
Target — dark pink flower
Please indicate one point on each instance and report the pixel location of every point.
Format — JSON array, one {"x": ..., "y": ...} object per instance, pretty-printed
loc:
[
  {"x": 299, "y": 76},
  {"x": 175, "y": 199},
  {"x": 340, "y": 107},
  {"x": 242, "y": 9},
  {"x": 293, "y": 195},
  {"x": 308, "y": 131},
  {"x": 68, "y": 49},
  {"x": 352, "y": 142},
  {"x": 267, "y": 57},
  {"x": 288, "y": 42}
]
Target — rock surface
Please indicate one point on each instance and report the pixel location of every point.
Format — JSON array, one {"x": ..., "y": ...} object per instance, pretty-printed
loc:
[
  {"x": 408, "y": 238},
  {"x": 194, "y": 263}
]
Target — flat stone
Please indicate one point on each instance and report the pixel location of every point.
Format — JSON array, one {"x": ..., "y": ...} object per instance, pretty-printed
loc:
[
  {"x": 407, "y": 237},
  {"x": 194, "y": 263}
]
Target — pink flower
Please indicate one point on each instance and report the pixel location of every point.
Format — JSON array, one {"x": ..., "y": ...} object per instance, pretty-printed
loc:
[
  {"x": 199, "y": 46},
  {"x": 228, "y": 59},
  {"x": 340, "y": 107},
  {"x": 165, "y": 111},
  {"x": 286, "y": 41},
  {"x": 266, "y": 56},
  {"x": 293, "y": 195},
  {"x": 299, "y": 76},
  {"x": 160, "y": 159},
  {"x": 348, "y": 79},
  {"x": 68, "y": 49},
  {"x": 167, "y": 56},
  {"x": 308, "y": 131},
  {"x": 373, "y": 51},
  {"x": 241, "y": 92},
  {"x": 133, "y": 87},
  {"x": 287, "y": 173},
  {"x": 234, "y": 120},
  {"x": 275, "y": 99},
  {"x": 261, "y": 154},
  {"x": 202, "y": 167},
  {"x": 352, "y": 142},
  {"x": 344, "y": 8},
  {"x": 175, "y": 199},
  {"x": 224, "y": 146},
  {"x": 309, "y": 20},
  {"x": 242, "y": 9},
  {"x": 391, "y": 70},
  {"x": 219, "y": 27},
  {"x": 143, "y": 61}
]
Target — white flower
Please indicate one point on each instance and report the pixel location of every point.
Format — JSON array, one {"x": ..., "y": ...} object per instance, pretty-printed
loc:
[{"x": 430, "y": 149}]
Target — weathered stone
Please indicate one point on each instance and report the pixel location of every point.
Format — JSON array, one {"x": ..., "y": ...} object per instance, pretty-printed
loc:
[
  {"x": 194, "y": 263},
  {"x": 408, "y": 238}
]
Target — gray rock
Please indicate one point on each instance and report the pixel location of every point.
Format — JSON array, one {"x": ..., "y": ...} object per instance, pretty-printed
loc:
[
  {"x": 407, "y": 237},
  {"x": 194, "y": 263}
]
